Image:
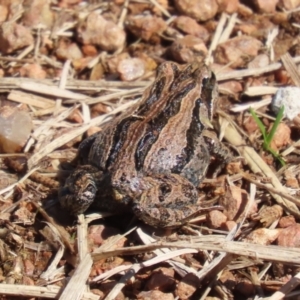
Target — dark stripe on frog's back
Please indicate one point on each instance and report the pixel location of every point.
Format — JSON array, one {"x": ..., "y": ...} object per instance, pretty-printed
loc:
[
  {"x": 124, "y": 128},
  {"x": 101, "y": 147},
  {"x": 156, "y": 91},
  {"x": 183, "y": 83},
  {"x": 167, "y": 152},
  {"x": 196, "y": 125},
  {"x": 152, "y": 103},
  {"x": 193, "y": 137},
  {"x": 85, "y": 147},
  {"x": 196, "y": 151},
  {"x": 193, "y": 131},
  {"x": 186, "y": 157},
  {"x": 158, "y": 123},
  {"x": 132, "y": 132},
  {"x": 150, "y": 98},
  {"x": 118, "y": 138},
  {"x": 111, "y": 139},
  {"x": 165, "y": 84},
  {"x": 183, "y": 75}
]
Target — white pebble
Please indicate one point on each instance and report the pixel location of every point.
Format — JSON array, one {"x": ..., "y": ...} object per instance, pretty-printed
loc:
[{"x": 289, "y": 97}]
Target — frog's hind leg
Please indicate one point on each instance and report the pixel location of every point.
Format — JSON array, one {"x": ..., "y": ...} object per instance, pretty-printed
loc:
[
  {"x": 165, "y": 217},
  {"x": 171, "y": 201}
]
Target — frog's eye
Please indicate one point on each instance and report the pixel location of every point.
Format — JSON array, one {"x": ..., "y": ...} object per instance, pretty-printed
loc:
[{"x": 164, "y": 190}]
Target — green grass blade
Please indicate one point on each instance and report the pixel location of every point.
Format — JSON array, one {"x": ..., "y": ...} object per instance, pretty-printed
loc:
[
  {"x": 277, "y": 156},
  {"x": 279, "y": 117},
  {"x": 268, "y": 137},
  {"x": 259, "y": 123}
]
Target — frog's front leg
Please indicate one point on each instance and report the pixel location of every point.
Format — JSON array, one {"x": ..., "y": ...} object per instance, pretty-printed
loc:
[
  {"x": 170, "y": 201},
  {"x": 217, "y": 149}
]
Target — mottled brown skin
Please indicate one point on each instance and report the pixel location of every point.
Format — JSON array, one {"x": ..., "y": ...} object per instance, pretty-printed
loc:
[{"x": 152, "y": 158}]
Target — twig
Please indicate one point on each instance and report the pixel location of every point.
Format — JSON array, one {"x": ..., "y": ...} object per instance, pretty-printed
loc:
[
  {"x": 228, "y": 30},
  {"x": 216, "y": 243},
  {"x": 271, "y": 189},
  {"x": 76, "y": 286},
  {"x": 62, "y": 83},
  {"x": 49, "y": 292},
  {"x": 217, "y": 35},
  {"x": 72, "y": 84},
  {"x": 252, "y": 72},
  {"x": 291, "y": 68},
  {"x": 24, "y": 53}
]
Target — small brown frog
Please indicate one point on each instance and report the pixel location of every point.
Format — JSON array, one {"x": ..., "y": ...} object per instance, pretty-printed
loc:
[{"x": 152, "y": 158}]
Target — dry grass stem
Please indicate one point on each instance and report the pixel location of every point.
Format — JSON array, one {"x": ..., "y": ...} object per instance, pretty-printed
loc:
[
  {"x": 272, "y": 190},
  {"x": 44, "y": 112},
  {"x": 51, "y": 62},
  {"x": 177, "y": 263},
  {"x": 291, "y": 68},
  {"x": 96, "y": 216},
  {"x": 86, "y": 113},
  {"x": 213, "y": 271},
  {"x": 254, "y": 91},
  {"x": 62, "y": 83},
  {"x": 215, "y": 243},
  {"x": 228, "y": 29},
  {"x": 77, "y": 284},
  {"x": 123, "y": 14},
  {"x": 111, "y": 244},
  {"x": 106, "y": 98},
  {"x": 291, "y": 148},
  {"x": 44, "y": 128},
  {"x": 255, "y": 105},
  {"x": 117, "y": 270},
  {"x": 48, "y": 292},
  {"x": 10, "y": 187},
  {"x": 270, "y": 41},
  {"x": 14, "y": 59},
  {"x": 216, "y": 37},
  {"x": 72, "y": 84},
  {"x": 51, "y": 91},
  {"x": 51, "y": 271},
  {"x": 34, "y": 100},
  {"x": 82, "y": 240},
  {"x": 252, "y": 72},
  {"x": 23, "y": 54}
]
